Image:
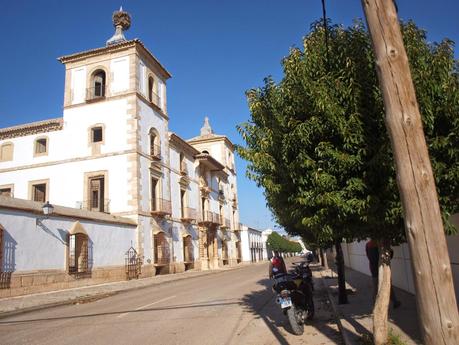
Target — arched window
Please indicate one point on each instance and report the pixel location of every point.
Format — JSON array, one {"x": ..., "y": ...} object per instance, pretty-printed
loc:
[
  {"x": 187, "y": 249},
  {"x": 161, "y": 256},
  {"x": 155, "y": 144},
  {"x": 6, "y": 152},
  {"x": 78, "y": 260},
  {"x": 206, "y": 152},
  {"x": 151, "y": 83},
  {"x": 98, "y": 83}
]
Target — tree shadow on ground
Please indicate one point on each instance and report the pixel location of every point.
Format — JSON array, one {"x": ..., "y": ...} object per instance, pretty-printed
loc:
[
  {"x": 360, "y": 306},
  {"x": 262, "y": 304}
]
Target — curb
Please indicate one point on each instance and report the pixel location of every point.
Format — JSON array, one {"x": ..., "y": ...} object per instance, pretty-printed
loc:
[
  {"x": 111, "y": 293},
  {"x": 336, "y": 312}
]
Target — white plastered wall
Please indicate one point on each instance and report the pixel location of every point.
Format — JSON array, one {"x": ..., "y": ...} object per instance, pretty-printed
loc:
[
  {"x": 27, "y": 246},
  {"x": 402, "y": 274}
]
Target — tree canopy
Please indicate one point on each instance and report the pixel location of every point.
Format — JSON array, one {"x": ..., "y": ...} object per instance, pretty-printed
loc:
[
  {"x": 317, "y": 143},
  {"x": 277, "y": 243}
]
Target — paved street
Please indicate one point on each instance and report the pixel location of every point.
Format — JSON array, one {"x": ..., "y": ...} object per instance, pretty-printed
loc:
[{"x": 232, "y": 307}]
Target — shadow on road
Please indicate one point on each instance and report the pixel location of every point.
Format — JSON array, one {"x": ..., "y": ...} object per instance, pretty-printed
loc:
[
  {"x": 360, "y": 306},
  {"x": 262, "y": 303},
  {"x": 217, "y": 303}
]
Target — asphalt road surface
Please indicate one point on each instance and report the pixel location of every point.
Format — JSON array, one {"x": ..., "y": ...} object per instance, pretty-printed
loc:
[{"x": 232, "y": 307}]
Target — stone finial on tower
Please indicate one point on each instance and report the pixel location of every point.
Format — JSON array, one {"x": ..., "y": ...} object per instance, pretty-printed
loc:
[
  {"x": 121, "y": 22},
  {"x": 206, "y": 129}
]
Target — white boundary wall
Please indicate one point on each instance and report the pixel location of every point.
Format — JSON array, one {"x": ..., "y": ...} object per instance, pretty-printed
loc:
[
  {"x": 402, "y": 274},
  {"x": 28, "y": 246}
]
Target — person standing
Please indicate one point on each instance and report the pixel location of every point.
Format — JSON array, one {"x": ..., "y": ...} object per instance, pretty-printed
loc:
[{"x": 372, "y": 251}]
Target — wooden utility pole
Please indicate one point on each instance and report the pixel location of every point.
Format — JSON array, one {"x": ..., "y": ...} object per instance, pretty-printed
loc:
[{"x": 435, "y": 297}]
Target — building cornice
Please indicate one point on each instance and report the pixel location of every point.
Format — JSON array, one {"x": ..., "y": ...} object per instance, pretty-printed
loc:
[
  {"x": 32, "y": 128},
  {"x": 111, "y": 49},
  {"x": 211, "y": 138},
  {"x": 62, "y": 211},
  {"x": 182, "y": 144}
]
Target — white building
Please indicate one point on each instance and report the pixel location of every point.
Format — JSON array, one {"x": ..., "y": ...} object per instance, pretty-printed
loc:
[
  {"x": 267, "y": 253},
  {"x": 112, "y": 152},
  {"x": 251, "y": 244}
]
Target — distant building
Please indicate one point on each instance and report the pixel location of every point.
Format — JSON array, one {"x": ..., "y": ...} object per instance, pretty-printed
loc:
[{"x": 252, "y": 244}]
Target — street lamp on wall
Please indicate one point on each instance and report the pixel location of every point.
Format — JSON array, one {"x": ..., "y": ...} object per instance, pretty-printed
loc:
[{"x": 48, "y": 210}]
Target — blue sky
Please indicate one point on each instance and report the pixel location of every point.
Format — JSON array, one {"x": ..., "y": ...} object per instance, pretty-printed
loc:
[{"x": 215, "y": 50}]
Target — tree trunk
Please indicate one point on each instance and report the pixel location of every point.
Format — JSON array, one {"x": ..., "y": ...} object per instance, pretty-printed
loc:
[
  {"x": 323, "y": 259},
  {"x": 435, "y": 296},
  {"x": 342, "y": 295},
  {"x": 381, "y": 307}
]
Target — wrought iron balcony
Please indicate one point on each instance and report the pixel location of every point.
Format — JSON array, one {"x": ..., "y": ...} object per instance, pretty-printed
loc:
[
  {"x": 95, "y": 93},
  {"x": 205, "y": 218},
  {"x": 155, "y": 151},
  {"x": 153, "y": 97},
  {"x": 95, "y": 205},
  {"x": 161, "y": 207},
  {"x": 208, "y": 217},
  {"x": 224, "y": 222},
  {"x": 188, "y": 214}
]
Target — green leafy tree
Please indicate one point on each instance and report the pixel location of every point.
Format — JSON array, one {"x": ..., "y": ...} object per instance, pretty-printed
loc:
[{"x": 316, "y": 141}]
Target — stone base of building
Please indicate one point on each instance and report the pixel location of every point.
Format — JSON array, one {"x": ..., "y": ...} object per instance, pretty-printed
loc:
[
  {"x": 24, "y": 283},
  {"x": 233, "y": 262},
  {"x": 177, "y": 267},
  {"x": 214, "y": 263},
  {"x": 148, "y": 271},
  {"x": 204, "y": 264}
]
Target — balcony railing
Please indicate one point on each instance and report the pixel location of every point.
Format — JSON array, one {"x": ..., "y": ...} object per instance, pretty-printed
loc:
[
  {"x": 161, "y": 207},
  {"x": 155, "y": 151},
  {"x": 224, "y": 222},
  {"x": 216, "y": 218},
  {"x": 94, "y": 205},
  {"x": 208, "y": 217},
  {"x": 188, "y": 214},
  {"x": 153, "y": 97},
  {"x": 95, "y": 93},
  {"x": 205, "y": 217}
]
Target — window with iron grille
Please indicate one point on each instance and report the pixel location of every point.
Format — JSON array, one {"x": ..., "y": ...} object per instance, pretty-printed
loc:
[
  {"x": 97, "y": 193},
  {"x": 78, "y": 253}
]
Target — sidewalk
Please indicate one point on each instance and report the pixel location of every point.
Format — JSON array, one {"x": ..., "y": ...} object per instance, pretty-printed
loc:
[
  {"x": 20, "y": 304},
  {"x": 356, "y": 316}
]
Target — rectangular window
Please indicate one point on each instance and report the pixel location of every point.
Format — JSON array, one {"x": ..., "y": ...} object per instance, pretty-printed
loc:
[
  {"x": 154, "y": 197},
  {"x": 41, "y": 146},
  {"x": 6, "y": 153},
  {"x": 39, "y": 192},
  {"x": 96, "y": 194},
  {"x": 96, "y": 134},
  {"x": 6, "y": 192},
  {"x": 183, "y": 200}
]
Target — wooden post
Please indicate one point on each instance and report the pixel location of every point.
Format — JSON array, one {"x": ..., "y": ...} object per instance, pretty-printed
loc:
[{"x": 435, "y": 296}]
